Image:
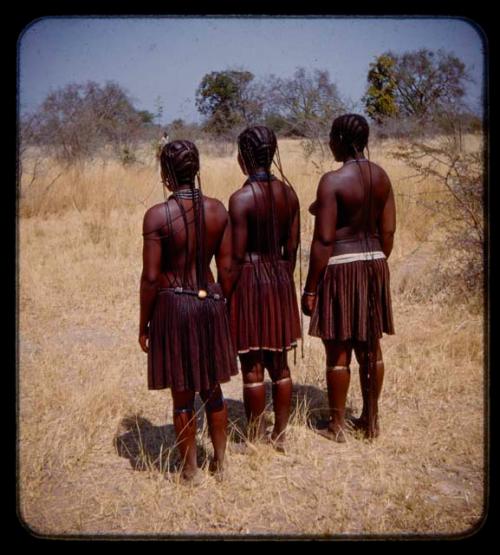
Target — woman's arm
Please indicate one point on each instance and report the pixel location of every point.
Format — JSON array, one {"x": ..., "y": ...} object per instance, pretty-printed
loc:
[
  {"x": 151, "y": 260},
  {"x": 323, "y": 239},
  {"x": 387, "y": 225},
  {"x": 293, "y": 240},
  {"x": 223, "y": 259},
  {"x": 239, "y": 228}
]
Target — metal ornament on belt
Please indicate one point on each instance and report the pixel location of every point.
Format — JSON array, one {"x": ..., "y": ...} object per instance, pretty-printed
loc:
[{"x": 202, "y": 294}]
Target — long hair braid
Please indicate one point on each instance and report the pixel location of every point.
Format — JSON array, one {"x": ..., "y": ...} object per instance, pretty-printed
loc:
[
  {"x": 351, "y": 131},
  {"x": 180, "y": 164},
  {"x": 257, "y": 146},
  {"x": 285, "y": 179}
]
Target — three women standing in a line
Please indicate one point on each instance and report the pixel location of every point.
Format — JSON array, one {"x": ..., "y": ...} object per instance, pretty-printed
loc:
[{"x": 184, "y": 323}]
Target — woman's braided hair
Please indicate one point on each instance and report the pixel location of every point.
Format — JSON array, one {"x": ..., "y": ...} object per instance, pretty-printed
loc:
[
  {"x": 257, "y": 145},
  {"x": 180, "y": 162},
  {"x": 351, "y": 131}
]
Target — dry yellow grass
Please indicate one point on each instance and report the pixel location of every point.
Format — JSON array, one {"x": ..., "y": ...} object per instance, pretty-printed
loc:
[{"x": 96, "y": 447}]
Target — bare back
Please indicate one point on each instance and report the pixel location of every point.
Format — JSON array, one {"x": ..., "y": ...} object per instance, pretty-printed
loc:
[
  {"x": 250, "y": 210},
  {"x": 351, "y": 186},
  {"x": 173, "y": 229}
]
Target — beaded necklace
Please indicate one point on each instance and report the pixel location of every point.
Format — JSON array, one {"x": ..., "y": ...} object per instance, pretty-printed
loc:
[
  {"x": 356, "y": 160},
  {"x": 190, "y": 194}
]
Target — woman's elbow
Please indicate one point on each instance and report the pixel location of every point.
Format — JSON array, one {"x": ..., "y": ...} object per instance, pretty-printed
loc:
[
  {"x": 149, "y": 279},
  {"x": 237, "y": 260},
  {"x": 387, "y": 234},
  {"x": 387, "y": 240},
  {"x": 224, "y": 267},
  {"x": 323, "y": 242}
]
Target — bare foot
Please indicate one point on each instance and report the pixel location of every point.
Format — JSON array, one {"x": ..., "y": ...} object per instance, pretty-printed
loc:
[
  {"x": 218, "y": 470},
  {"x": 256, "y": 433},
  {"x": 278, "y": 441},
  {"x": 191, "y": 477},
  {"x": 361, "y": 424},
  {"x": 337, "y": 434}
]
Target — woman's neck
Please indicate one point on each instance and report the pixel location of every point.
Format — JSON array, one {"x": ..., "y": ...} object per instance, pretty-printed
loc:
[
  {"x": 260, "y": 171},
  {"x": 355, "y": 157}
]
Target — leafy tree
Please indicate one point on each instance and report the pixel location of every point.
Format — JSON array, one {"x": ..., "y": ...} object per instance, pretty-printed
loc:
[
  {"x": 278, "y": 123},
  {"x": 180, "y": 129},
  {"x": 227, "y": 100},
  {"x": 418, "y": 84},
  {"x": 177, "y": 123},
  {"x": 146, "y": 117},
  {"x": 380, "y": 97}
]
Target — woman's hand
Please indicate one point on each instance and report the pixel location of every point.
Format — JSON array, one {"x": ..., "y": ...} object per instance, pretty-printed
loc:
[
  {"x": 144, "y": 341},
  {"x": 308, "y": 303}
]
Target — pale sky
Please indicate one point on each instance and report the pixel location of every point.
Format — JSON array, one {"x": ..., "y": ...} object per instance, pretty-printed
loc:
[{"x": 167, "y": 57}]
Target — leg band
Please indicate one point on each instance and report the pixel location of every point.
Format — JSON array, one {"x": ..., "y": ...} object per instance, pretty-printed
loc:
[
  {"x": 378, "y": 363},
  {"x": 253, "y": 384},
  {"x": 287, "y": 379},
  {"x": 337, "y": 368},
  {"x": 183, "y": 410}
]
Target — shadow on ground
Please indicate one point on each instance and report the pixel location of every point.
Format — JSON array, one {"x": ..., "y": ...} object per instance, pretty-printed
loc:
[
  {"x": 149, "y": 447},
  {"x": 311, "y": 403},
  {"x": 153, "y": 447}
]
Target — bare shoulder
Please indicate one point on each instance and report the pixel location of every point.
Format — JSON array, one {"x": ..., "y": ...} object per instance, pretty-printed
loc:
[
  {"x": 381, "y": 173},
  {"x": 154, "y": 218},
  {"x": 290, "y": 192},
  {"x": 240, "y": 200},
  {"x": 330, "y": 182},
  {"x": 214, "y": 206}
]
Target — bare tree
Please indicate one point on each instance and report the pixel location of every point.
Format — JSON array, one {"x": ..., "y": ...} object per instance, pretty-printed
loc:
[
  {"x": 458, "y": 205},
  {"x": 308, "y": 101},
  {"x": 26, "y": 138},
  {"x": 78, "y": 120},
  {"x": 304, "y": 106}
]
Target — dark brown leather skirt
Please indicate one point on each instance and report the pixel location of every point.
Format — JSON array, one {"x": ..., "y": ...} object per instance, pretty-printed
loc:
[
  {"x": 264, "y": 313},
  {"x": 190, "y": 346},
  {"x": 342, "y": 310}
]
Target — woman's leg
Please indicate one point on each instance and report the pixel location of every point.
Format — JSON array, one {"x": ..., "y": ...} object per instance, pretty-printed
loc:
[
  {"x": 185, "y": 429},
  {"x": 371, "y": 429},
  {"x": 216, "y": 411},
  {"x": 282, "y": 387},
  {"x": 254, "y": 393},
  {"x": 338, "y": 377}
]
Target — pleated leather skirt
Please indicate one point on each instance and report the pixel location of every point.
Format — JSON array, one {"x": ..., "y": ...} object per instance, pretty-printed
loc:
[
  {"x": 190, "y": 345},
  {"x": 264, "y": 313},
  {"x": 342, "y": 310}
]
